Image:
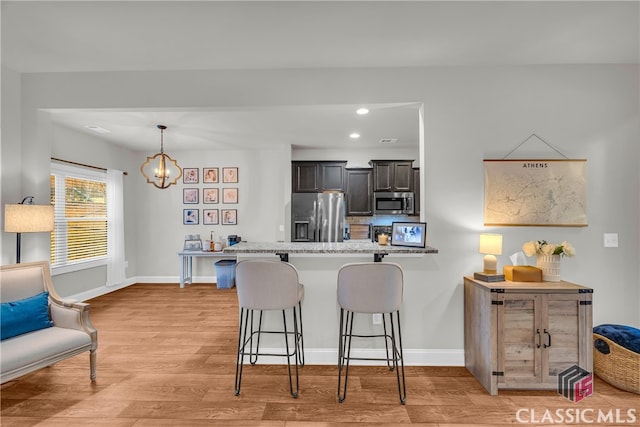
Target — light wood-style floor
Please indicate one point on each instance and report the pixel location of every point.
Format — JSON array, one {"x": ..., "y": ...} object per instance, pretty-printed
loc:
[{"x": 166, "y": 357}]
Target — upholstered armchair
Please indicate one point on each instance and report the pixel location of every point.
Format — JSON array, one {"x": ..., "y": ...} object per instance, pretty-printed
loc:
[{"x": 38, "y": 327}]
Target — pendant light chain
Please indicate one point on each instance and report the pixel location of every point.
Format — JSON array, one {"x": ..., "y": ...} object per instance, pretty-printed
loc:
[{"x": 162, "y": 128}]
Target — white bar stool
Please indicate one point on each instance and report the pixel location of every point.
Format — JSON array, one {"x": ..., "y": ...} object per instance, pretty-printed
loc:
[
  {"x": 370, "y": 287},
  {"x": 268, "y": 285}
]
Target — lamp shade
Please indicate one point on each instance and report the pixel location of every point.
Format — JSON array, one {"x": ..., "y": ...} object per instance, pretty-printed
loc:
[
  {"x": 490, "y": 244},
  {"x": 23, "y": 218}
]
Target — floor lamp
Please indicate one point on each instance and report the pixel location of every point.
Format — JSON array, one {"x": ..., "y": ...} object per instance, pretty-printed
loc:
[{"x": 25, "y": 217}]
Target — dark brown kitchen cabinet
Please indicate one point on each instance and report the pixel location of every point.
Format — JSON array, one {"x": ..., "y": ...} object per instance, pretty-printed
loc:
[
  {"x": 332, "y": 176},
  {"x": 305, "y": 177},
  {"x": 359, "y": 192},
  {"x": 392, "y": 175},
  {"x": 318, "y": 176}
]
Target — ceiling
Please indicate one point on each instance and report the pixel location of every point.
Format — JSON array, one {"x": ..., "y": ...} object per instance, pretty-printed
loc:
[{"x": 86, "y": 36}]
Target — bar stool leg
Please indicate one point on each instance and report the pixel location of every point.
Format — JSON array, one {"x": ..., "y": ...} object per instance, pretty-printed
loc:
[
  {"x": 297, "y": 334},
  {"x": 242, "y": 334},
  {"x": 295, "y": 352},
  {"x": 344, "y": 351},
  {"x": 390, "y": 362},
  {"x": 253, "y": 358},
  {"x": 300, "y": 339},
  {"x": 398, "y": 356}
]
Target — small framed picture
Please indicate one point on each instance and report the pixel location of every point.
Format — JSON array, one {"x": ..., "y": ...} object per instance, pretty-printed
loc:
[
  {"x": 210, "y": 175},
  {"x": 190, "y": 175},
  {"x": 409, "y": 234},
  {"x": 210, "y": 217},
  {"x": 229, "y": 216},
  {"x": 190, "y": 196},
  {"x": 190, "y": 217},
  {"x": 210, "y": 195},
  {"x": 229, "y": 195},
  {"x": 229, "y": 175}
]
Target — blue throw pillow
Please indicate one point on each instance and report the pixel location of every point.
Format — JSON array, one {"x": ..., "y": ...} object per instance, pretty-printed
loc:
[
  {"x": 25, "y": 315},
  {"x": 625, "y": 336}
]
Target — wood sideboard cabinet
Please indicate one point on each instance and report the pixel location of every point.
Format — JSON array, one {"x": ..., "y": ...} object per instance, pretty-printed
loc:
[{"x": 521, "y": 335}]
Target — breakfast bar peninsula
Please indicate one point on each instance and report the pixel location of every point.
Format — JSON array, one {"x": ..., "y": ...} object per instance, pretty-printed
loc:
[
  {"x": 353, "y": 247},
  {"x": 318, "y": 264}
]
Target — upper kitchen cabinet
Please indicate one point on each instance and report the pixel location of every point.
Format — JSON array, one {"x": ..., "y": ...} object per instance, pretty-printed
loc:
[
  {"x": 318, "y": 176},
  {"x": 392, "y": 175},
  {"x": 359, "y": 192}
]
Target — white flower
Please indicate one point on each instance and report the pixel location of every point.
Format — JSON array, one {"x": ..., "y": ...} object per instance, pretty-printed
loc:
[
  {"x": 530, "y": 248},
  {"x": 541, "y": 247},
  {"x": 568, "y": 249}
]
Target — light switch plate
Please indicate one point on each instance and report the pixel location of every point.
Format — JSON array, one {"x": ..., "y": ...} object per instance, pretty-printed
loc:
[{"x": 610, "y": 240}]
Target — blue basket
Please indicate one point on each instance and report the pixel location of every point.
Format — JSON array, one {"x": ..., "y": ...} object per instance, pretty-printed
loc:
[{"x": 225, "y": 274}]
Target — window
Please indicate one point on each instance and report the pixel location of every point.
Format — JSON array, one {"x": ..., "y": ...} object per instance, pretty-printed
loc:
[{"x": 79, "y": 238}]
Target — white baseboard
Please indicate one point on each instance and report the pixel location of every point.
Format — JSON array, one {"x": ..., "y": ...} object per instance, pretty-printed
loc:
[
  {"x": 173, "y": 279},
  {"x": 102, "y": 290},
  {"x": 169, "y": 280},
  {"x": 176, "y": 280}
]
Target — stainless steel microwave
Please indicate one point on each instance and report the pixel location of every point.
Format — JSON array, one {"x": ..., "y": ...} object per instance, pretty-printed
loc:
[{"x": 393, "y": 203}]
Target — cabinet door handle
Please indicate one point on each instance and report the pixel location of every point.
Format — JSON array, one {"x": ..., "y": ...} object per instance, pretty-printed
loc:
[
  {"x": 548, "y": 343},
  {"x": 538, "y": 338}
]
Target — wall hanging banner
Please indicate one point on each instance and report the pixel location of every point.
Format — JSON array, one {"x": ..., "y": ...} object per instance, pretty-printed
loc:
[{"x": 535, "y": 192}]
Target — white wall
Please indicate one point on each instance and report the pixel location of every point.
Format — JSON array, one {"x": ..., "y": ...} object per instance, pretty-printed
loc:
[
  {"x": 261, "y": 207},
  {"x": 470, "y": 113},
  {"x": 360, "y": 158},
  {"x": 10, "y": 155}
]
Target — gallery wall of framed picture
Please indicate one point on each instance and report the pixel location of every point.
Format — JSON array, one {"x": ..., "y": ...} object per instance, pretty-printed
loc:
[{"x": 216, "y": 188}]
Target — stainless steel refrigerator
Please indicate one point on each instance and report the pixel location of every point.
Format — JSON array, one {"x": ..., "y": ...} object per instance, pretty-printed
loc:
[{"x": 317, "y": 217}]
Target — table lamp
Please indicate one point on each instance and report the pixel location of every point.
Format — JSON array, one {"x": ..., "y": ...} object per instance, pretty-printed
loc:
[
  {"x": 490, "y": 245},
  {"x": 26, "y": 217}
]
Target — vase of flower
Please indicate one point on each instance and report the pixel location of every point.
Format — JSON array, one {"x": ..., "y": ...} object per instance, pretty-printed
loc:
[
  {"x": 550, "y": 266},
  {"x": 548, "y": 257}
]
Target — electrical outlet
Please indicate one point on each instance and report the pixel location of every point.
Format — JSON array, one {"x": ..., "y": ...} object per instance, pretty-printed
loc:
[
  {"x": 377, "y": 318},
  {"x": 610, "y": 240}
]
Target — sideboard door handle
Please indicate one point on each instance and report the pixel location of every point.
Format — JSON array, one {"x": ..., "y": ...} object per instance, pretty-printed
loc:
[{"x": 548, "y": 343}]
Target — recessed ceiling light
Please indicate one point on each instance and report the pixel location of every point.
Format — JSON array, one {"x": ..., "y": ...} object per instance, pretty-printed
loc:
[
  {"x": 98, "y": 129},
  {"x": 362, "y": 111},
  {"x": 354, "y": 135}
]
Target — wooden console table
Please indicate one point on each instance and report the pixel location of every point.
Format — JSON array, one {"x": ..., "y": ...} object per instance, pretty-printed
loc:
[
  {"x": 186, "y": 263},
  {"x": 521, "y": 335}
]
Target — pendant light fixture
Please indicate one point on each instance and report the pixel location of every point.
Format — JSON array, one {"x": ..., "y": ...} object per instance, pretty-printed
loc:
[{"x": 161, "y": 170}]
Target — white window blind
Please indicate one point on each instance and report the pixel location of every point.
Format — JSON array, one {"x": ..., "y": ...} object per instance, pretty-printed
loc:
[{"x": 79, "y": 238}]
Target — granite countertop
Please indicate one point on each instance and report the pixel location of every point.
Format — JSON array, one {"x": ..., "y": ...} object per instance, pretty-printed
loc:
[{"x": 346, "y": 247}]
